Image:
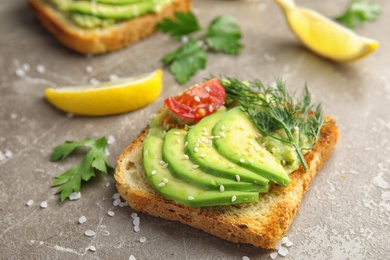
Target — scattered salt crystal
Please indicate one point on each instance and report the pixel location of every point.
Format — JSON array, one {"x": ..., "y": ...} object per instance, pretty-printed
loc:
[
  {"x": 2, "y": 156},
  {"x": 283, "y": 251},
  {"x": 116, "y": 202},
  {"x": 107, "y": 184},
  {"x": 44, "y": 204},
  {"x": 111, "y": 213},
  {"x": 107, "y": 152},
  {"x": 274, "y": 255},
  {"x": 122, "y": 204},
  {"x": 8, "y": 153},
  {"x": 75, "y": 196},
  {"x": 82, "y": 219},
  {"x": 136, "y": 221},
  {"x": 92, "y": 248},
  {"x": 113, "y": 77},
  {"x": 89, "y": 69},
  {"x": 132, "y": 257},
  {"x": 89, "y": 233},
  {"x": 285, "y": 240},
  {"x": 20, "y": 72},
  {"x": 142, "y": 239},
  {"x": 29, "y": 202},
  {"x": 110, "y": 139},
  {"x": 245, "y": 258},
  {"x": 137, "y": 228},
  {"x": 289, "y": 243},
  {"x": 94, "y": 81},
  {"x": 40, "y": 69},
  {"x": 116, "y": 196},
  {"x": 134, "y": 215}
]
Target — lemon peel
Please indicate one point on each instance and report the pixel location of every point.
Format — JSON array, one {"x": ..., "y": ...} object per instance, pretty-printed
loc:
[
  {"x": 325, "y": 37},
  {"x": 108, "y": 98}
]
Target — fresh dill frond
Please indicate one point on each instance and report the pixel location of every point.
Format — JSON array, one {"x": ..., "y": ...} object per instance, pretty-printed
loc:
[{"x": 273, "y": 108}]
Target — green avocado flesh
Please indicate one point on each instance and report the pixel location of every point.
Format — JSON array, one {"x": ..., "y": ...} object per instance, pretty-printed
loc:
[
  {"x": 218, "y": 161},
  {"x": 201, "y": 151},
  {"x": 103, "y": 13},
  {"x": 183, "y": 168},
  {"x": 238, "y": 143},
  {"x": 170, "y": 187}
]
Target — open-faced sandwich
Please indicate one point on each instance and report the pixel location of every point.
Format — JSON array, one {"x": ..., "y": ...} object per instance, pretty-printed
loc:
[
  {"x": 228, "y": 157},
  {"x": 99, "y": 26}
]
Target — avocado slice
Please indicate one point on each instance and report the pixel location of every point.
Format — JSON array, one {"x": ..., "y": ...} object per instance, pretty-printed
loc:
[
  {"x": 104, "y": 11},
  {"x": 183, "y": 168},
  {"x": 170, "y": 187},
  {"x": 235, "y": 138},
  {"x": 202, "y": 152}
]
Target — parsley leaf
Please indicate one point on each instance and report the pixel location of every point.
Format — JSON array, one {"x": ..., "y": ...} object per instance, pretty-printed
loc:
[
  {"x": 183, "y": 24},
  {"x": 222, "y": 35},
  {"x": 358, "y": 12},
  {"x": 95, "y": 160},
  {"x": 186, "y": 61}
]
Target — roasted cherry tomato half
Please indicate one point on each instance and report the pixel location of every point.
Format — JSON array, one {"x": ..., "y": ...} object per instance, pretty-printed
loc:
[{"x": 199, "y": 101}]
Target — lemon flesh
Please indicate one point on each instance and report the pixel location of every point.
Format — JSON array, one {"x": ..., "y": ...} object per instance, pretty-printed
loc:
[
  {"x": 108, "y": 98},
  {"x": 324, "y": 36}
]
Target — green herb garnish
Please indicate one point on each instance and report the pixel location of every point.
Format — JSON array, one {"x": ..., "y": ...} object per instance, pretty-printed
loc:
[
  {"x": 272, "y": 109},
  {"x": 358, "y": 12},
  {"x": 95, "y": 160},
  {"x": 222, "y": 35}
]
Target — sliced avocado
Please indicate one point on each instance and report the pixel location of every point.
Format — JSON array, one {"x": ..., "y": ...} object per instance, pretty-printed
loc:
[
  {"x": 237, "y": 142},
  {"x": 183, "y": 168},
  {"x": 202, "y": 152},
  {"x": 111, "y": 11},
  {"x": 166, "y": 184}
]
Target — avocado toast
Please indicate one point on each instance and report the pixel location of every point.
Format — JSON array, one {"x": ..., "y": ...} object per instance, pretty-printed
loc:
[
  {"x": 95, "y": 27},
  {"x": 255, "y": 181}
]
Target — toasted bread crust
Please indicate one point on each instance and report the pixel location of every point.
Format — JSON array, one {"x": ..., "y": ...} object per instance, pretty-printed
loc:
[
  {"x": 97, "y": 41},
  {"x": 262, "y": 224}
]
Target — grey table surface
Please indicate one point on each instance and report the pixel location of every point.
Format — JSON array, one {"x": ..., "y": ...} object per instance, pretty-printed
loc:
[{"x": 344, "y": 215}]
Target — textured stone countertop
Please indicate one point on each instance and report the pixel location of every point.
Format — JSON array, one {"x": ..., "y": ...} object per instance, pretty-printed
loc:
[{"x": 344, "y": 215}]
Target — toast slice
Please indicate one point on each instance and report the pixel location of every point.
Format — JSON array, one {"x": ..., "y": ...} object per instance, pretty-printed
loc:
[
  {"x": 262, "y": 224},
  {"x": 101, "y": 40}
]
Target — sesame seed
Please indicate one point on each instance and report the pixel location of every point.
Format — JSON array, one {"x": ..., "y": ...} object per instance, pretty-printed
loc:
[
  {"x": 161, "y": 184},
  {"x": 221, "y": 188},
  {"x": 176, "y": 133},
  {"x": 234, "y": 198},
  {"x": 207, "y": 88},
  {"x": 153, "y": 172},
  {"x": 202, "y": 155},
  {"x": 191, "y": 198},
  {"x": 186, "y": 157},
  {"x": 211, "y": 108},
  {"x": 185, "y": 144},
  {"x": 222, "y": 127},
  {"x": 178, "y": 141},
  {"x": 165, "y": 180},
  {"x": 222, "y": 134},
  {"x": 242, "y": 160},
  {"x": 195, "y": 166},
  {"x": 162, "y": 162},
  {"x": 238, "y": 178},
  {"x": 196, "y": 149},
  {"x": 217, "y": 136},
  {"x": 165, "y": 166},
  {"x": 197, "y": 99}
]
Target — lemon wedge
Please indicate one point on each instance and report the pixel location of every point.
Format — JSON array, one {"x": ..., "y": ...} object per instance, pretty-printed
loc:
[
  {"x": 108, "y": 98},
  {"x": 325, "y": 37}
]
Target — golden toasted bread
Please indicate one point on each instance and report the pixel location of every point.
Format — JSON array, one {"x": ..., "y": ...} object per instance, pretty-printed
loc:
[
  {"x": 101, "y": 40},
  {"x": 262, "y": 224}
]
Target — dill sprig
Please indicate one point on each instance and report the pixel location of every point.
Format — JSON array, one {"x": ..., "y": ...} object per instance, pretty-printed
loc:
[{"x": 273, "y": 108}]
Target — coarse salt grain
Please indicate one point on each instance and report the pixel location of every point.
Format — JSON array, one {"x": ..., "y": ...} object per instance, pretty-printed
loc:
[
  {"x": 75, "y": 196},
  {"x": 115, "y": 196},
  {"x": 2, "y": 156},
  {"x": 20, "y": 72},
  {"x": 137, "y": 229},
  {"x": 29, "y": 202},
  {"x": 89, "y": 233},
  {"x": 136, "y": 221},
  {"x": 142, "y": 239},
  {"x": 116, "y": 202},
  {"x": 274, "y": 255},
  {"x": 132, "y": 257},
  {"x": 43, "y": 204},
  {"x": 110, "y": 139},
  {"x": 134, "y": 215},
  {"x": 92, "y": 248},
  {"x": 111, "y": 213},
  {"x": 8, "y": 153},
  {"x": 245, "y": 258},
  {"x": 283, "y": 251},
  {"x": 40, "y": 69},
  {"x": 82, "y": 219}
]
